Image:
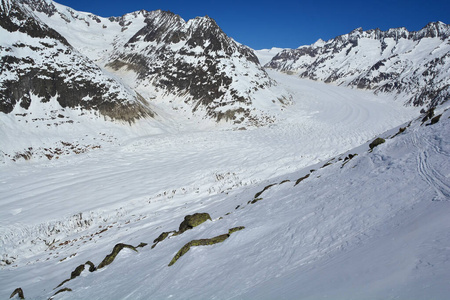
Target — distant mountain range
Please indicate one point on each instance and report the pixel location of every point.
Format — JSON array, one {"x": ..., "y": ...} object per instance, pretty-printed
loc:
[
  {"x": 416, "y": 64},
  {"x": 126, "y": 67}
]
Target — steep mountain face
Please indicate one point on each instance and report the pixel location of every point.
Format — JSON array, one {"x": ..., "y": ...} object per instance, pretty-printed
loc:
[
  {"x": 415, "y": 64},
  {"x": 162, "y": 56},
  {"x": 38, "y": 64},
  {"x": 195, "y": 59}
]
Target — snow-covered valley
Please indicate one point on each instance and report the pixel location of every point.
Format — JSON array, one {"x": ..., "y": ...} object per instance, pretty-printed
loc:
[
  {"x": 58, "y": 214},
  {"x": 149, "y": 157}
]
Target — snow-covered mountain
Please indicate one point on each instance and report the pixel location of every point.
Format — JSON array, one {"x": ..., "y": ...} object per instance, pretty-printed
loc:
[
  {"x": 63, "y": 71},
  {"x": 118, "y": 182},
  {"x": 413, "y": 64},
  {"x": 52, "y": 97},
  {"x": 38, "y": 64},
  {"x": 193, "y": 65}
]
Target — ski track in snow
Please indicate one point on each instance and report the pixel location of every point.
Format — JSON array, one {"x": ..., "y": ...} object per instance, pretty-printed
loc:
[
  {"x": 396, "y": 263},
  {"x": 429, "y": 173}
]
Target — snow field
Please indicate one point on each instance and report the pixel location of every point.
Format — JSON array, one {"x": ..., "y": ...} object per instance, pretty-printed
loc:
[
  {"x": 347, "y": 231},
  {"x": 145, "y": 184},
  {"x": 266, "y": 55}
]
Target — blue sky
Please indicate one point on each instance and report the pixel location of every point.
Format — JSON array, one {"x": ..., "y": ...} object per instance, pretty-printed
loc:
[{"x": 288, "y": 24}]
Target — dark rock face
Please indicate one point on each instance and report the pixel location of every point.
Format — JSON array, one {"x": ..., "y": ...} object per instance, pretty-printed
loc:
[
  {"x": 41, "y": 6},
  {"x": 55, "y": 70},
  {"x": 390, "y": 61},
  {"x": 195, "y": 58}
]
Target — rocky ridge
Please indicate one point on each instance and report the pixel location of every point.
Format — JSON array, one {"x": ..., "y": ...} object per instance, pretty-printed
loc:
[
  {"x": 196, "y": 60},
  {"x": 415, "y": 64}
]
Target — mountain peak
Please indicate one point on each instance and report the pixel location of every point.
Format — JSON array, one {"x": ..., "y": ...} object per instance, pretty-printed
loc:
[
  {"x": 318, "y": 43},
  {"x": 357, "y": 30},
  {"x": 204, "y": 23},
  {"x": 193, "y": 60},
  {"x": 202, "y": 60},
  {"x": 435, "y": 29}
]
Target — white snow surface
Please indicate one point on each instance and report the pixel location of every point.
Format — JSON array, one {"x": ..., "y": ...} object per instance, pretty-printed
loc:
[
  {"x": 266, "y": 55},
  {"x": 373, "y": 227},
  {"x": 92, "y": 35}
]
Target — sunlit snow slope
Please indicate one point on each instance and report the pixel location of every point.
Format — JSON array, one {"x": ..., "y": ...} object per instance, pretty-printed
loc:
[
  {"x": 313, "y": 190},
  {"x": 58, "y": 214}
]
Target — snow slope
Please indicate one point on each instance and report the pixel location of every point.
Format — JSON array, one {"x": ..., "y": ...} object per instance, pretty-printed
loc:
[
  {"x": 324, "y": 216},
  {"x": 403, "y": 255},
  {"x": 92, "y": 35},
  {"x": 405, "y": 260},
  {"x": 58, "y": 214},
  {"x": 266, "y": 55}
]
